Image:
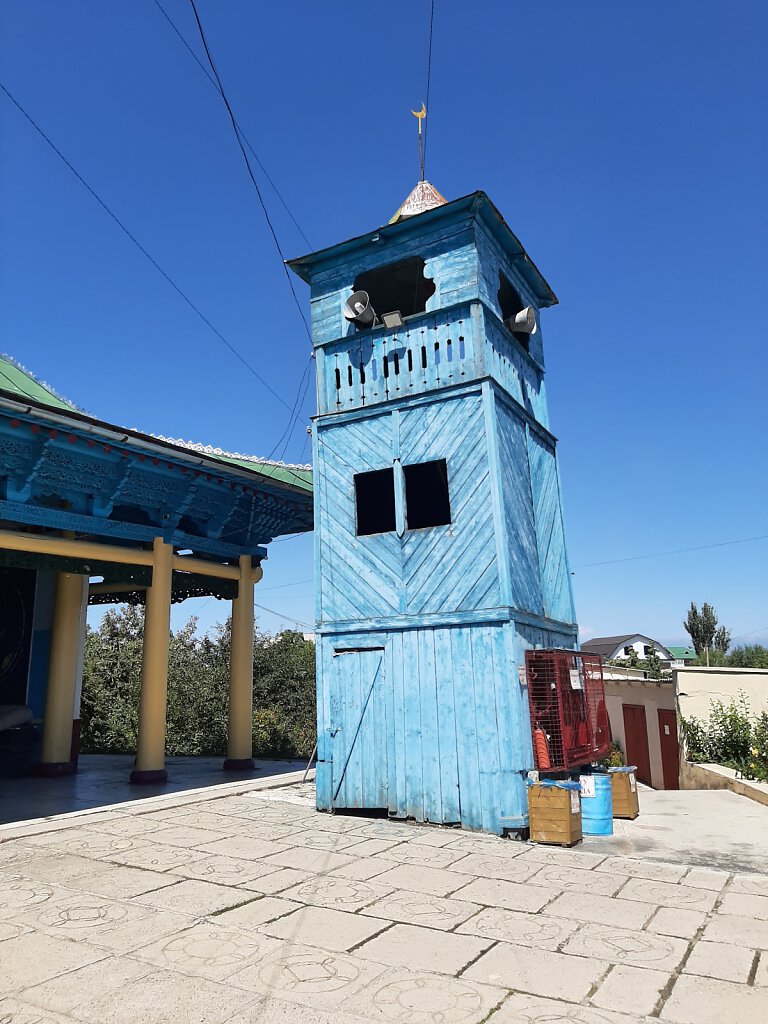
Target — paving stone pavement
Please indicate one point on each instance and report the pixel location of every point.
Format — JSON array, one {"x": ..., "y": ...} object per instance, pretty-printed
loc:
[{"x": 252, "y": 908}]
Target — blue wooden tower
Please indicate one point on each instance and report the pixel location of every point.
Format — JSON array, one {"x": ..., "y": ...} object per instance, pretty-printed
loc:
[{"x": 439, "y": 547}]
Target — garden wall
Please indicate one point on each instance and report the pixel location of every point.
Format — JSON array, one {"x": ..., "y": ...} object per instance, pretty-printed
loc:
[{"x": 695, "y": 688}]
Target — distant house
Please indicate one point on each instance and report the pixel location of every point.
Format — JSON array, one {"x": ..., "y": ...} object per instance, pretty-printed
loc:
[
  {"x": 683, "y": 656},
  {"x": 619, "y": 647}
]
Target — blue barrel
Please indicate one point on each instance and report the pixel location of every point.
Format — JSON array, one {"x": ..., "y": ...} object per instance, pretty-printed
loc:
[{"x": 597, "y": 810}]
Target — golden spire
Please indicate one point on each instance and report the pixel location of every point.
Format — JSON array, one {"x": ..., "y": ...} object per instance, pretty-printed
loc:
[{"x": 420, "y": 115}]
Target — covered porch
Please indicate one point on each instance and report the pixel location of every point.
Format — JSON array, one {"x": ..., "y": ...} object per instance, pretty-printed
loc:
[{"x": 91, "y": 513}]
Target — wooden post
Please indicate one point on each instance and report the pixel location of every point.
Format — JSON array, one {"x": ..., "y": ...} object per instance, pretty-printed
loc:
[
  {"x": 240, "y": 734},
  {"x": 71, "y": 592},
  {"x": 150, "y": 756}
]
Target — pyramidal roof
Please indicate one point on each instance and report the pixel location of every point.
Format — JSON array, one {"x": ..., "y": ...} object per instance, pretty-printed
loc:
[{"x": 424, "y": 197}]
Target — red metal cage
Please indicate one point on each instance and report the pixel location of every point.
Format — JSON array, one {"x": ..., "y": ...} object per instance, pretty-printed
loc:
[{"x": 569, "y": 718}]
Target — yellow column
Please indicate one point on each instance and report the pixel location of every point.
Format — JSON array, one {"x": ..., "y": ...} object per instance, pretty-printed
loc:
[
  {"x": 71, "y": 592},
  {"x": 240, "y": 734},
  {"x": 150, "y": 755}
]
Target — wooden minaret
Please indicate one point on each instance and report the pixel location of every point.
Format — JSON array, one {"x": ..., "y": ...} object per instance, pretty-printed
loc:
[{"x": 439, "y": 547}]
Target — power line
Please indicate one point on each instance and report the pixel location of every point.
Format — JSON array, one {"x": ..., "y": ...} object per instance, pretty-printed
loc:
[
  {"x": 141, "y": 248},
  {"x": 251, "y": 175},
  {"x": 255, "y": 156},
  {"x": 282, "y": 615},
  {"x": 298, "y": 405},
  {"x": 677, "y": 551},
  {"x": 429, "y": 77}
]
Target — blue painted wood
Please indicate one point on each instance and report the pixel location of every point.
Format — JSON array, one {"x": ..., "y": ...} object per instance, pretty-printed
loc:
[{"x": 444, "y": 735}]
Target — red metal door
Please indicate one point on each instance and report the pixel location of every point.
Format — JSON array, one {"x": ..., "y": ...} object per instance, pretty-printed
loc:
[
  {"x": 636, "y": 740},
  {"x": 670, "y": 751}
]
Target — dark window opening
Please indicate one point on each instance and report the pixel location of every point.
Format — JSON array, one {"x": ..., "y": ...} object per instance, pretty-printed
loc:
[
  {"x": 410, "y": 362},
  {"x": 400, "y": 286},
  {"x": 385, "y": 360},
  {"x": 510, "y": 305},
  {"x": 375, "y": 501},
  {"x": 362, "y": 372},
  {"x": 426, "y": 495},
  {"x": 349, "y": 375},
  {"x": 423, "y": 357},
  {"x": 397, "y": 364},
  {"x": 338, "y": 380}
]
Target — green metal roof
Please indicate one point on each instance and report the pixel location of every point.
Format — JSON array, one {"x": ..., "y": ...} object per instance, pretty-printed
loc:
[
  {"x": 15, "y": 380},
  {"x": 19, "y": 384},
  {"x": 682, "y": 653}
]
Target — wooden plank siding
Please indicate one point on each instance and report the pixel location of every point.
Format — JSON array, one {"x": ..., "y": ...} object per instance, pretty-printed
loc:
[{"x": 420, "y": 632}]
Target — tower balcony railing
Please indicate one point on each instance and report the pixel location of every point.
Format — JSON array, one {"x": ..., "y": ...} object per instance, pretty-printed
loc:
[{"x": 431, "y": 350}]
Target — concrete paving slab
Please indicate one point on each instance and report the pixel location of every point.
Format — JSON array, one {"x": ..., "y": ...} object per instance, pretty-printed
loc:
[
  {"x": 631, "y": 988},
  {"x": 337, "y": 893},
  {"x": 738, "y": 931},
  {"x": 184, "y": 1000},
  {"x": 522, "y": 1009},
  {"x": 494, "y": 892},
  {"x": 433, "y": 881},
  {"x": 35, "y": 957},
  {"x": 66, "y": 992},
  {"x": 682, "y": 923},
  {"x": 536, "y": 930},
  {"x": 306, "y": 859},
  {"x": 537, "y": 972},
  {"x": 195, "y": 898},
  {"x": 99, "y": 921},
  {"x": 225, "y": 870},
  {"x": 599, "y": 883},
  {"x": 279, "y": 880},
  {"x": 706, "y": 878},
  {"x": 720, "y": 960},
  {"x": 422, "y": 854},
  {"x": 257, "y": 912},
  {"x": 318, "y": 978},
  {"x": 753, "y": 885},
  {"x": 419, "y": 908},
  {"x": 329, "y": 929},
  {"x": 625, "y": 946},
  {"x": 15, "y": 1012},
  {"x": 601, "y": 910},
  {"x": 411, "y": 997},
  {"x": 364, "y": 868},
  {"x": 573, "y": 857},
  {"x": 744, "y": 905},
  {"x": 208, "y": 950},
  {"x": 707, "y": 1001},
  {"x": 511, "y": 869},
  {"x": 276, "y": 1011},
  {"x": 655, "y": 870},
  {"x": 423, "y": 949},
  {"x": 668, "y": 894}
]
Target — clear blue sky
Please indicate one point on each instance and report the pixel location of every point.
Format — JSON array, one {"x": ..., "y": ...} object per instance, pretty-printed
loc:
[{"x": 625, "y": 144}]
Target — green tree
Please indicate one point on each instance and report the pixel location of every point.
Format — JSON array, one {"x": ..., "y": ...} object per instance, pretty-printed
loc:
[
  {"x": 284, "y": 723},
  {"x": 701, "y": 626},
  {"x": 751, "y": 656},
  {"x": 653, "y": 664},
  {"x": 722, "y": 639}
]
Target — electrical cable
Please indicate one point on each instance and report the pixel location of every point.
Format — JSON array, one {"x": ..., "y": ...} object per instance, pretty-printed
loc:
[
  {"x": 255, "y": 156},
  {"x": 141, "y": 248},
  {"x": 251, "y": 175},
  {"x": 429, "y": 77},
  {"x": 282, "y": 615},
  {"x": 677, "y": 551}
]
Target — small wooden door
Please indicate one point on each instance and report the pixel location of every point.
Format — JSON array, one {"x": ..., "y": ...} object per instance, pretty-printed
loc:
[
  {"x": 359, "y": 728},
  {"x": 670, "y": 750},
  {"x": 636, "y": 740}
]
